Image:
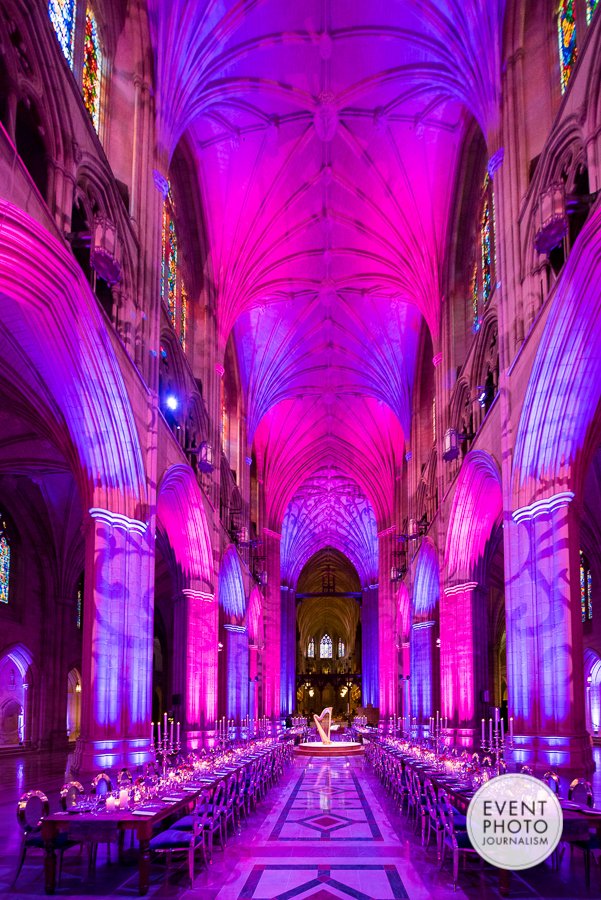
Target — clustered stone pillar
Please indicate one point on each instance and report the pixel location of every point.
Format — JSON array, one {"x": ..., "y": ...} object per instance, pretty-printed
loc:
[
  {"x": 288, "y": 661},
  {"x": 422, "y": 670},
  {"x": 387, "y": 650},
  {"x": 369, "y": 646},
  {"x": 545, "y": 666},
  {"x": 463, "y": 660},
  {"x": 117, "y": 642},
  {"x": 237, "y": 672},
  {"x": 272, "y": 620},
  {"x": 195, "y": 663}
]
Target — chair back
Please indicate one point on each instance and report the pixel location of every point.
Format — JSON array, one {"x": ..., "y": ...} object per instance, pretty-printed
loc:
[
  {"x": 232, "y": 783},
  {"x": 124, "y": 778},
  {"x": 70, "y": 794},
  {"x": 526, "y": 770},
  {"x": 581, "y": 788},
  {"x": 446, "y": 816},
  {"x": 552, "y": 780},
  {"x": 102, "y": 784},
  {"x": 219, "y": 796},
  {"x": 32, "y": 808}
]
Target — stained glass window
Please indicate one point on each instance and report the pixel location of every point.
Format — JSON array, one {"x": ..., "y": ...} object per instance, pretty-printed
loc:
[
  {"x": 325, "y": 647},
  {"x": 62, "y": 16},
  {"x": 566, "y": 32},
  {"x": 79, "y": 603},
  {"x": 311, "y": 649},
  {"x": 173, "y": 289},
  {"x": 484, "y": 271},
  {"x": 586, "y": 589},
  {"x": 591, "y": 6},
  {"x": 341, "y": 648},
  {"x": 92, "y": 68},
  {"x": 4, "y": 560}
]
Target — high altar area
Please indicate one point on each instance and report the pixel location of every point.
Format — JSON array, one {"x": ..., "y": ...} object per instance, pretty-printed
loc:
[{"x": 299, "y": 330}]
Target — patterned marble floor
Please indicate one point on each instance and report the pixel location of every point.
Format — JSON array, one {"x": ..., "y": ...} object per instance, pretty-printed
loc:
[{"x": 328, "y": 831}]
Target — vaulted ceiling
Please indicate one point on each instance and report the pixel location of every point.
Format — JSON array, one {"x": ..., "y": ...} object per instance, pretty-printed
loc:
[{"x": 327, "y": 136}]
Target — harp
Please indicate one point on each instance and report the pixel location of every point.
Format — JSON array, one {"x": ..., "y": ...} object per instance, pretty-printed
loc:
[{"x": 326, "y": 716}]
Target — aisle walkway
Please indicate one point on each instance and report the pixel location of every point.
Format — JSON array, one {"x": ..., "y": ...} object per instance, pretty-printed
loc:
[{"x": 328, "y": 830}]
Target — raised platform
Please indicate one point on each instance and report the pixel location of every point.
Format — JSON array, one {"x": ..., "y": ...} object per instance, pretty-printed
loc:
[{"x": 336, "y": 748}]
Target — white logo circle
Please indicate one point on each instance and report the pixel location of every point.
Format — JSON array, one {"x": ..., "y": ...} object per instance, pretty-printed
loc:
[{"x": 514, "y": 821}]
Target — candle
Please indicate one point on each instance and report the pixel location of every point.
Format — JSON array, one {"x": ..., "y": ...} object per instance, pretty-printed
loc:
[
  {"x": 152, "y": 732},
  {"x": 159, "y": 732},
  {"x": 171, "y": 733},
  {"x": 482, "y": 730},
  {"x": 123, "y": 798},
  {"x": 511, "y": 729},
  {"x": 496, "y": 715},
  {"x": 110, "y": 803},
  {"x": 502, "y": 730},
  {"x": 490, "y": 732},
  {"x": 437, "y": 719},
  {"x": 165, "y": 726},
  {"x": 177, "y": 733}
]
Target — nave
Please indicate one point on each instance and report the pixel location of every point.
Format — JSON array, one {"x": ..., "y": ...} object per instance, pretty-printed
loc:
[{"x": 327, "y": 830}]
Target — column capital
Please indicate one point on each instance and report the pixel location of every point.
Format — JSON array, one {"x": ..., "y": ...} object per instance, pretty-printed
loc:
[
  {"x": 193, "y": 594},
  {"x": 273, "y": 534},
  {"x": 542, "y": 507},
  {"x": 117, "y": 520},
  {"x": 460, "y": 588}
]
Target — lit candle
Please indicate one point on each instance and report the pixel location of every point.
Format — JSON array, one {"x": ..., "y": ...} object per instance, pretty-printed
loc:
[
  {"x": 152, "y": 732},
  {"x": 159, "y": 732},
  {"x": 123, "y": 798},
  {"x": 165, "y": 726},
  {"x": 511, "y": 729},
  {"x": 502, "y": 730},
  {"x": 437, "y": 719},
  {"x": 177, "y": 733},
  {"x": 482, "y": 730},
  {"x": 171, "y": 733},
  {"x": 496, "y": 715},
  {"x": 110, "y": 804},
  {"x": 490, "y": 732}
]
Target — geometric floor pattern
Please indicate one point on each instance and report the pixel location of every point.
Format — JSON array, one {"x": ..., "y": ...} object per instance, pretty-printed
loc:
[{"x": 328, "y": 831}]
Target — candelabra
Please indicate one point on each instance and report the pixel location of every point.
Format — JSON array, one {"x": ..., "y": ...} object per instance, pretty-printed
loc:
[
  {"x": 165, "y": 745},
  {"x": 436, "y": 733},
  {"x": 497, "y": 741}
]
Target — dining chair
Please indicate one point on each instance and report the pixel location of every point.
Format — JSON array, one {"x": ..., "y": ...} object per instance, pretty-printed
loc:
[
  {"x": 177, "y": 840},
  {"x": 32, "y": 809},
  {"x": 581, "y": 791},
  {"x": 107, "y": 833},
  {"x": 454, "y": 838},
  {"x": 70, "y": 794}
]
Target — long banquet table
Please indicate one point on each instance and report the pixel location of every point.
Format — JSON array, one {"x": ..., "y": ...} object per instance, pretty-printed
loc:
[
  {"x": 142, "y": 818},
  {"x": 577, "y": 819}
]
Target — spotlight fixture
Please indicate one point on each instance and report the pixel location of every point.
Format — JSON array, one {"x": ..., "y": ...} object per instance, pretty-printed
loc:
[{"x": 171, "y": 402}]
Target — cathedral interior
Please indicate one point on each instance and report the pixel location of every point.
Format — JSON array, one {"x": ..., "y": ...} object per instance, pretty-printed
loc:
[{"x": 299, "y": 329}]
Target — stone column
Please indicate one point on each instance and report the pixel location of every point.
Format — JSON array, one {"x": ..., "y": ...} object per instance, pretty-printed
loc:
[
  {"x": 237, "y": 673},
  {"x": 195, "y": 663},
  {"x": 464, "y": 660},
  {"x": 422, "y": 670},
  {"x": 288, "y": 660},
  {"x": 253, "y": 679},
  {"x": 387, "y": 651},
  {"x": 545, "y": 663},
  {"x": 369, "y": 647},
  {"x": 272, "y": 620},
  {"x": 117, "y": 643}
]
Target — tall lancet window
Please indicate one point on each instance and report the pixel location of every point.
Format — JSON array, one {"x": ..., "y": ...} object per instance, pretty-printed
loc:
[
  {"x": 62, "y": 16},
  {"x": 173, "y": 289},
  {"x": 568, "y": 48},
  {"x": 591, "y": 6},
  {"x": 311, "y": 649},
  {"x": 325, "y": 647},
  {"x": 4, "y": 560},
  {"x": 484, "y": 271},
  {"x": 341, "y": 648},
  {"x": 586, "y": 589},
  {"x": 92, "y": 68}
]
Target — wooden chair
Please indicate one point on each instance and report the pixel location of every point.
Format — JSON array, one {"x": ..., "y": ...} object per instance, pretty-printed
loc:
[{"x": 32, "y": 809}]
